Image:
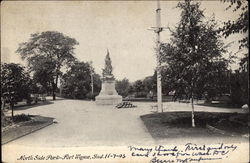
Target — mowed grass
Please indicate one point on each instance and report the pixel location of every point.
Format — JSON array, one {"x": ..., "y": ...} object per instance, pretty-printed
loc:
[
  {"x": 8, "y": 120},
  {"x": 179, "y": 124}
]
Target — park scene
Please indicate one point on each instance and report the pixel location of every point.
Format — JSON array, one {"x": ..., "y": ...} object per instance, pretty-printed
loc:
[{"x": 124, "y": 73}]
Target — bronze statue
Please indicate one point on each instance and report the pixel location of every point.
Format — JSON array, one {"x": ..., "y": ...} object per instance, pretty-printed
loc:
[
  {"x": 107, "y": 71},
  {"x": 108, "y": 94}
]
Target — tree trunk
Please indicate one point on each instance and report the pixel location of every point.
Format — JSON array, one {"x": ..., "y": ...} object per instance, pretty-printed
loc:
[
  {"x": 54, "y": 95},
  {"x": 56, "y": 80},
  {"x": 53, "y": 91},
  {"x": 12, "y": 110},
  {"x": 2, "y": 103},
  {"x": 54, "y": 87},
  {"x": 2, "y": 113},
  {"x": 192, "y": 102}
]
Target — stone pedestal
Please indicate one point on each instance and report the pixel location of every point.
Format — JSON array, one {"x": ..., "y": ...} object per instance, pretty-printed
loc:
[{"x": 108, "y": 94}]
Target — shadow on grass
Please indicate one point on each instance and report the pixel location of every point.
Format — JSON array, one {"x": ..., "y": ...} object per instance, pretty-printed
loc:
[
  {"x": 24, "y": 107},
  {"x": 145, "y": 100},
  {"x": 223, "y": 106},
  {"x": 178, "y": 124},
  {"x": 57, "y": 99},
  {"x": 40, "y": 103}
]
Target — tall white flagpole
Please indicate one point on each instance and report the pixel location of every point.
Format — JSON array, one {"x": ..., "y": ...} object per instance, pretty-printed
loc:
[{"x": 157, "y": 31}]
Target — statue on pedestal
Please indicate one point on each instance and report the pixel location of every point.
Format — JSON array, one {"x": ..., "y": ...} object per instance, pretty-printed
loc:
[
  {"x": 108, "y": 94},
  {"x": 107, "y": 71}
]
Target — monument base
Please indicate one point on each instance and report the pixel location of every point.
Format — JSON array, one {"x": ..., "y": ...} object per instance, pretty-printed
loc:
[
  {"x": 108, "y": 99},
  {"x": 108, "y": 94}
]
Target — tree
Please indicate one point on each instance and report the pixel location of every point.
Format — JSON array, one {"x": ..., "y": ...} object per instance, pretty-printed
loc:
[
  {"x": 122, "y": 87},
  {"x": 149, "y": 84},
  {"x": 43, "y": 75},
  {"x": 52, "y": 49},
  {"x": 76, "y": 83},
  {"x": 15, "y": 84},
  {"x": 139, "y": 89},
  {"x": 240, "y": 25},
  {"x": 97, "y": 84},
  {"x": 131, "y": 89},
  {"x": 239, "y": 85},
  {"x": 194, "y": 56}
]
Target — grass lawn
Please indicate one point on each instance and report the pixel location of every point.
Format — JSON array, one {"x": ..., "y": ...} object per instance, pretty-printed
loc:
[
  {"x": 21, "y": 125},
  {"x": 220, "y": 105},
  {"x": 178, "y": 124},
  {"x": 8, "y": 121}
]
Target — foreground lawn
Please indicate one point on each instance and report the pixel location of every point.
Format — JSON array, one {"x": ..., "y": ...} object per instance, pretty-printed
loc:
[
  {"x": 178, "y": 124},
  {"x": 21, "y": 125},
  {"x": 7, "y": 121}
]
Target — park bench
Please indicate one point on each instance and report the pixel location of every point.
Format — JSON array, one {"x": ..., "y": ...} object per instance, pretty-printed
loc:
[
  {"x": 42, "y": 97},
  {"x": 125, "y": 104}
]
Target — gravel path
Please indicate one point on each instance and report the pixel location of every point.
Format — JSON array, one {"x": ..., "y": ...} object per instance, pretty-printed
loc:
[{"x": 83, "y": 123}]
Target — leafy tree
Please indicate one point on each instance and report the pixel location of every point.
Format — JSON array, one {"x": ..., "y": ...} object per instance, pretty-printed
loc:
[
  {"x": 149, "y": 84},
  {"x": 51, "y": 49},
  {"x": 96, "y": 87},
  {"x": 97, "y": 84},
  {"x": 194, "y": 56},
  {"x": 139, "y": 89},
  {"x": 239, "y": 85},
  {"x": 131, "y": 89},
  {"x": 240, "y": 25},
  {"x": 77, "y": 81},
  {"x": 43, "y": 75},
  {"x": 15, "y": 84},
  {"x": 122, "y": 87}
]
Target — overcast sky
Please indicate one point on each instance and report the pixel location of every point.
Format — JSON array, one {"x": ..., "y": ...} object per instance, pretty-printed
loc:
[{"x": 122, "y": 27}]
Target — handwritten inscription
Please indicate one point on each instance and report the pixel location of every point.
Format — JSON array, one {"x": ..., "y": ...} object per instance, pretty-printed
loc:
[
  {"x": 157, "y": 154},
  {"x": 189, "y": 153}
]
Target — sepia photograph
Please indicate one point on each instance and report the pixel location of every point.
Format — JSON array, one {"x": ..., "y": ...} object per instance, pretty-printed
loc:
[{"x": 125, "y": 81}]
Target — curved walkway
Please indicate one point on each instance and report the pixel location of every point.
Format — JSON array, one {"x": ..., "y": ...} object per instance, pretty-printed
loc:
[{"x": 83, "y": 123}]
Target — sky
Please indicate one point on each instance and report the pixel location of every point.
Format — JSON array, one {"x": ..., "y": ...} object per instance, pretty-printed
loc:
[{"x": 119, "y": 26}]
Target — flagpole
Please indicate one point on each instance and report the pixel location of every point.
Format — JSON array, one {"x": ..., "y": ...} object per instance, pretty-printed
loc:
[{"x": 157, "y": 31}]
